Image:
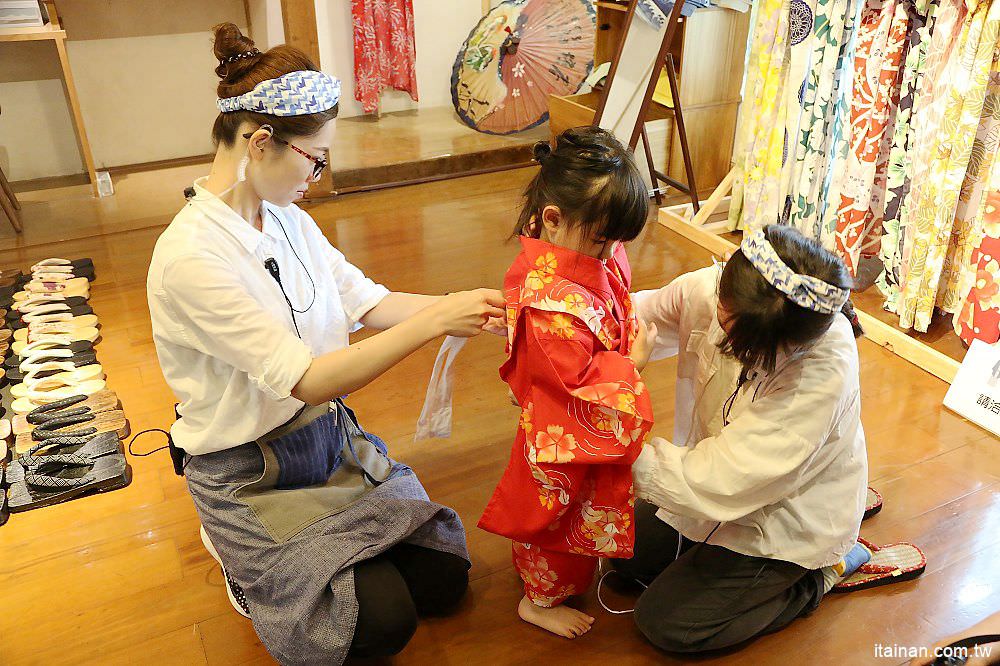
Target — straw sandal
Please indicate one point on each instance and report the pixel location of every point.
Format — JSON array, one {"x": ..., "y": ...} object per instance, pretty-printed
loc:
[
  {"x": 55, "y": 325},
  {"x": 50, "y": 389},
  {"x": 78, "y": 266},
  {"x": 893, "y": 563},
  {"x": 87, "y": 445},
  {"x": 77, "y": 358},
  {"x": 69, "y": 375},
  {"x": 68, "y": 289},
  {"x": 39, "y": 300},
  {"x": 113, "y": 421},
  {"x": 64, "y": 477},
  {"x": 102, "y": 401},
  {"x": 88, "y": 334},
  {"x": 873, "y": 504},
  {"x": 87, "y": 424}
]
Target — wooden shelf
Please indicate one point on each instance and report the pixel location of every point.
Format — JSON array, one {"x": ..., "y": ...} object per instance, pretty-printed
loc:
[
  {"x": 613, "y": 5},
  {"x": 53, "y": 30},
  {"x": 47, "y": 31}
]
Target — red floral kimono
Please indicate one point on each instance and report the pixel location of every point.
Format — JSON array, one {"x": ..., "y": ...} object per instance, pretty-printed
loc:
[
  {"x": 385, "y": 52},
  {"x": 566, "y": 496}
]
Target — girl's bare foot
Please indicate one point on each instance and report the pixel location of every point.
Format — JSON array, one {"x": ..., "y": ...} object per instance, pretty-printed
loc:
[{"x": 560, "y": 620}]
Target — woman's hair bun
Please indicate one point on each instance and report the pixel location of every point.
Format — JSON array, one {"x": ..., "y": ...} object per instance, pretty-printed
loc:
[
  {"x": 229, "y": 44},
  {"x": 541, "y": 150}
]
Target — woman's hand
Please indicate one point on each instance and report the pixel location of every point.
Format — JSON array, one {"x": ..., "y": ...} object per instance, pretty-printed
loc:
[
  {"x": 513, "y": 398},
  {"x": 642, "y": 347},
  {"x": 496, "y": 326},
  {"x": 465, "y": 313}
]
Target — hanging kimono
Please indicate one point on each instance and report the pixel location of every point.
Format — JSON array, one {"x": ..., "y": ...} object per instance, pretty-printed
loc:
[
  {"x": 945, "y": 26},
  {"x": 833, "y": 181},
  {"x": 978, "y": 311},
  {"x": 881, "y": 49},
  {"x": 802, "y": 24},
  {"x": 385, "y": 53},
  {"x": 813, "y": 148},
  {"x": 933, "y": 241},
  {"x": 760, "y": 133},
  {"x": 979, "y": 315},
  {"x": 566, "y": 496},
  {"x": 899, "y": 171}
]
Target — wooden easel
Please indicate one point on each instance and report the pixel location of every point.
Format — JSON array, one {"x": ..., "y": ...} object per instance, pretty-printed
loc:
[{"x": 663, "y": 59}]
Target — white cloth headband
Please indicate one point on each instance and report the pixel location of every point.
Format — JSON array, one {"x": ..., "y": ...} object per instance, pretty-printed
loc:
[
  {"x": 804, "y": 290},
  {"x": 293, "y": 94}
]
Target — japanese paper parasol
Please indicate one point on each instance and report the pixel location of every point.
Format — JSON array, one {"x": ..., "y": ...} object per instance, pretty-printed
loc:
[{"x": 519, "y": 54}]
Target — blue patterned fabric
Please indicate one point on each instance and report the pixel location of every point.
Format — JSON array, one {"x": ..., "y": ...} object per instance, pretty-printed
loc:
[
  {"x": 293, "y": 94},
  {"x": 804, "y": 290}
]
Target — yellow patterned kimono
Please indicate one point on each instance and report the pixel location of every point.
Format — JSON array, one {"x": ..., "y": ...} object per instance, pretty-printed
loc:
[
  {"x": 760, "y": 135},
  {"x": 935, "y": 240}
]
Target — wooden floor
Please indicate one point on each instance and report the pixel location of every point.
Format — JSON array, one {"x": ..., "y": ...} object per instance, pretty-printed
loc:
[{"x": 123, "y": 578}]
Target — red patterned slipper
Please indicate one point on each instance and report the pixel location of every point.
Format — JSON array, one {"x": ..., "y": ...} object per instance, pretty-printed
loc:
[
  {"x": 873, "y": 504},
  {"x": 889, "y": 564}
]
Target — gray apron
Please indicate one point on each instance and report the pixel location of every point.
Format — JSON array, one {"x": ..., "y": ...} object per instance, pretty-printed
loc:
[{"x": 293, "y": 512}]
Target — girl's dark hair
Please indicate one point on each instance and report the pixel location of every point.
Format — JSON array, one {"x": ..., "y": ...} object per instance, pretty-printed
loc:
[
  {"x": 241, "y": 75},
  {"x": 762, "y": 321},
  {"x": 591, "y": 177}
]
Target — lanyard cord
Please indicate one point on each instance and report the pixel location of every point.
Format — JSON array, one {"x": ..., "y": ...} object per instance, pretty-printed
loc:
[{"x": 301, "y": 263}]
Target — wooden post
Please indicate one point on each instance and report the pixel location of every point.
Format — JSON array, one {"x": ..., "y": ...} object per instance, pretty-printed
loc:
[
  {"x": 59, "y": 38},
  {"x": 74, "y": 104},
  {"x": 299, "y": 20},
  {"x": 9, "y": 203}
]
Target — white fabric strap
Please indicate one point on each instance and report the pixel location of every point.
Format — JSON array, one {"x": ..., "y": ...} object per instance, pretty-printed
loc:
[{"x": 435, "y": 417}]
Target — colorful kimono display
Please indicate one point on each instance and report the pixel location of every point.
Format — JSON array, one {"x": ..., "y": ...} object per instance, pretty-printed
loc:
[
  {"x": 898, "y": 134},
  {"x": 566, "y": 496}
]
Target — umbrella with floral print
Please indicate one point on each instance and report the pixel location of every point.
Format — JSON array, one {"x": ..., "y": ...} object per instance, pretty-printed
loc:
[{"x": 521, "y": 52}]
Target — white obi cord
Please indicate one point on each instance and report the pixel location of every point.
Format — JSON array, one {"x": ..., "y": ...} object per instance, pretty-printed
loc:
[{"x": 435, "y": 417}]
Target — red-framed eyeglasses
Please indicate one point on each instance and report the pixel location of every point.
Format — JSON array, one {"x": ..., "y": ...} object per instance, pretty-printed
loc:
[{"x": 319, "y": 163}]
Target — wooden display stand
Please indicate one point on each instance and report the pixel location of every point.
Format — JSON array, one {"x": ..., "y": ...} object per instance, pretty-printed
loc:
[
  {"x": 53, "y": 30},
  {"x": 708, "y": 52},
  {"x": 891, "y": 338}
]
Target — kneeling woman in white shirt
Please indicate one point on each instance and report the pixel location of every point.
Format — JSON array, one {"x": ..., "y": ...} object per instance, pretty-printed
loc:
[
  {"x": 328, "y": 545},
  {"x": 763, "y": 488}
]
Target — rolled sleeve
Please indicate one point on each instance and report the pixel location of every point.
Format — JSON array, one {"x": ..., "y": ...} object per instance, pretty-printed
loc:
[{"x": 215, "y": 315}]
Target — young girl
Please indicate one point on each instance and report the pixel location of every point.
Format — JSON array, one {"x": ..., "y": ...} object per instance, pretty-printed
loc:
[{"x": 575, "y": 350}]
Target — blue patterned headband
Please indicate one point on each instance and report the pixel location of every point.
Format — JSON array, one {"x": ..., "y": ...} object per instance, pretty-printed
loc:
[
  {"x": 293, "y": 94},
  {"x": 805, "y": 290}
]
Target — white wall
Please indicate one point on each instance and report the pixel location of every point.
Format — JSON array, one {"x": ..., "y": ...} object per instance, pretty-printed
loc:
[
  {"x": 441, "y": 26},
  {"x": 144, "y": 74},
  {"x": 267, "y": 29}
]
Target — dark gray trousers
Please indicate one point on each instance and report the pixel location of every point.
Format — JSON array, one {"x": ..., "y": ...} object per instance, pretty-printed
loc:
[{"x": 710, "y": 597}]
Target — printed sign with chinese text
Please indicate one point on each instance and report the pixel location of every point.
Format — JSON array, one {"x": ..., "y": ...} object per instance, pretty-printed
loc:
[{"x": 975, "y": 393}]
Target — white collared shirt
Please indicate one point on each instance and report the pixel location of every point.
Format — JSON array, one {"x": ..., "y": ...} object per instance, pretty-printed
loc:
[
  {"x": 223, "y": 332},
  {"x": 787, "y": 477}
]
